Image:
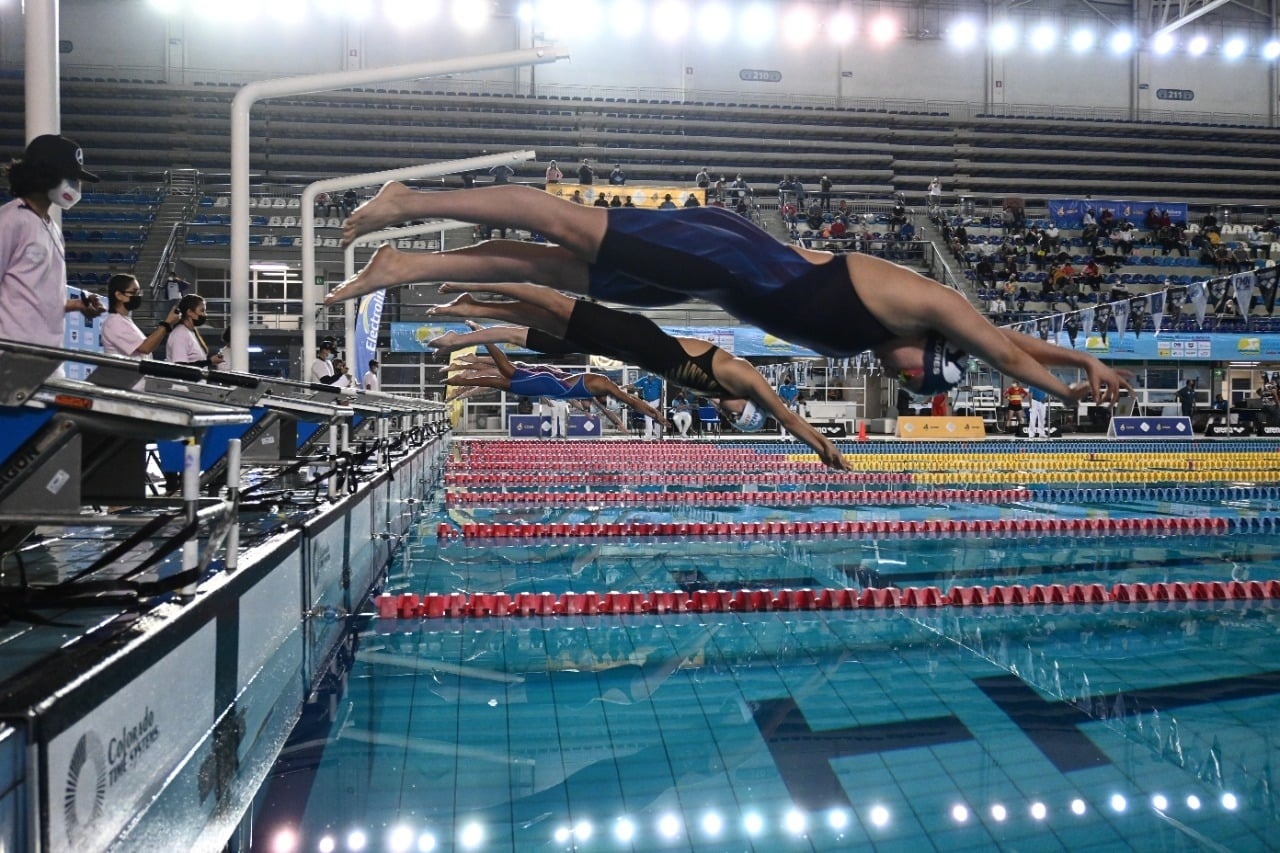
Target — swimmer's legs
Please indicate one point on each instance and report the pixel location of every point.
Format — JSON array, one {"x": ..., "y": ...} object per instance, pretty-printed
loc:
[
  {"x": 494, "y": 260},
  {"x": 450, "y": 341},
  {"x": 577, "y": 227}
]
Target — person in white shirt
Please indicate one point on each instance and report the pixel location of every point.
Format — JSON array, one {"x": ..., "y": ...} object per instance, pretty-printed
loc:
[
  {"x": 370, "y": 380},
  {"x": 185, "y": 346},
  {"x": 322, "y": 369},
  {"x": 120, "y": 335},
  {"x": 33, "y": 268}
]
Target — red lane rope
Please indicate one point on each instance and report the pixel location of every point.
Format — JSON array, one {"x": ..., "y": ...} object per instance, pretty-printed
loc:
[
  {"x": 479, "y": 605},
  {"x": 1061, "y": 526},
  {"x": 807, "y": 498}
]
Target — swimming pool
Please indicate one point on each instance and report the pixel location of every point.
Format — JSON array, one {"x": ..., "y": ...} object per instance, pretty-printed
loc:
[{"x": 1055, "y": 726}]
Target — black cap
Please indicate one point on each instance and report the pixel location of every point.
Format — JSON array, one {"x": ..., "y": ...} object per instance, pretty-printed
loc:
[{"x": 63, "y": 155}]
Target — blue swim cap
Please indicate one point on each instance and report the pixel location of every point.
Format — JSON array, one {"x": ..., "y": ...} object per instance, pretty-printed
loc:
[{"x": 944, "y": 365}]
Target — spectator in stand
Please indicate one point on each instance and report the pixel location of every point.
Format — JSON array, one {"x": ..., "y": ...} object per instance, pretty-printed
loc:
[
  {"x": 934, "y": 194},
  {"x": 1122, "y": 239},
  {"x": 1091, "y": 275},
  {"x": 703, "y": 178},
  {"x": 617, "y": 177},
  {"x": 371, "y": 380},
  {"x": 325, "y": 203},
  {"x": 350, "y": 201},
  {"x": 824, "y": 192},
  {"x": 626, "y": 202},
  {"x": 577, "y": 198},
  {"x": 1209, "y": 222},
  {"x": 554, "y": 175},
  {"x": 739, "y": 188},
  {"x": 1106, "y": 222},
  {"x": 682, "y": 412},
  {"x": 616, "y": 201},
  {"x": 586, "y": 175},
  {"x": 984, "y": 271},
  {"x": 667, "y": 203},
  {"x": 996, "y": 307},
  {"x": 692, "y": 201},
  {"x": 602, "y": 200},
  {"x": 1260, "y": 242}
]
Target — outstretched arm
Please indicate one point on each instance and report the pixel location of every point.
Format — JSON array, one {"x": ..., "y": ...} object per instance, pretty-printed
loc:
[
  {"x": 602, "y": 387},
  {"x": 500, "y": 360},
  {"x": 738, "y": 377},
  {"x": 1099, "y": 375}
]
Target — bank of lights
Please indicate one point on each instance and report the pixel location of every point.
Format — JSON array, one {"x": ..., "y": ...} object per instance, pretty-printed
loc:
[
  {"x": 668, "y": 827},
  {"x": 794, "y": 24}
]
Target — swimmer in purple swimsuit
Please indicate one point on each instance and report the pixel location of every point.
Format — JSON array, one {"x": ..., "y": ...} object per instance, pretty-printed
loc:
[
  {"x": 529, "y": 383},
  {"x": 836, "y": 305},
  {"x": 563, "y": 325}
]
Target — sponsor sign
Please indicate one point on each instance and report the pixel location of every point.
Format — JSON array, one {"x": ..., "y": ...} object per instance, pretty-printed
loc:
[
  {"x": 920, "y": 428},
  {"x": 831, "y": 430},
  {"x": 1225, "y": 431},
  {"x": 535, "y": 426},
  {"x": 1150, "y": 427},
  {"x": 110, "y": 763},
  {"x": 1267, "y": 431}
]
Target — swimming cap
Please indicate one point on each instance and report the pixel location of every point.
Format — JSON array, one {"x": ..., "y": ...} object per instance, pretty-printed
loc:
[
  {"x": 944, "y": 365},
  {"x": 751, "y": 419}
]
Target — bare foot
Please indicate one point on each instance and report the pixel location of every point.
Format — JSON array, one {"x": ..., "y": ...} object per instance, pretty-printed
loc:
[
  {"x": 447, "y": 343},
  {"x": 387, "y": 207},
  {"x": 464, "y": 306},
  {"x": 463, "y": 287},
  {"x": 381, "y": 271}
]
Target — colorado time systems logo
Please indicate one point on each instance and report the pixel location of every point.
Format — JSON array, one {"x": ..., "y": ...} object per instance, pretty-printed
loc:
[{"x": 92, "y": 770}]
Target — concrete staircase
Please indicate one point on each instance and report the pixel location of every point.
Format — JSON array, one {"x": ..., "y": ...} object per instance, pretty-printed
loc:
[{"x": 180, "y": 200}]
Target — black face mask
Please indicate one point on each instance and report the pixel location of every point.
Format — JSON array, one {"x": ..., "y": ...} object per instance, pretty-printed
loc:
[
  {"x": 199, "y": 321},
  {"x": 134, "y": 302}
]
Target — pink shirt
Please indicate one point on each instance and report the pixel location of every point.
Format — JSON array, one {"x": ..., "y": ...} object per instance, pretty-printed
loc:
[
  {"x": 33, "y": 277},
  {"x": 183, "y": 347},
  {"x": 121, "y": 336}
]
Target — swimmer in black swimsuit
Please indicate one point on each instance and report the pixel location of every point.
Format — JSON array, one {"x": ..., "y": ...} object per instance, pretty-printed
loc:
[
  {"x": 561, "y": 324},
  {"x": 836, "y": 305}
]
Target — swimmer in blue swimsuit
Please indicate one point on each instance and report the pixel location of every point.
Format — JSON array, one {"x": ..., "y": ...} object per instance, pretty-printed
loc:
[
  {"x": 836, "y": 305},
  {"x": 562, "y": 324},
  {"x": 524, "y": 382}
]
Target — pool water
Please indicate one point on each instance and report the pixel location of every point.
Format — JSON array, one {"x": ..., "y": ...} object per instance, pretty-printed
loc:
[{"x": 1073, "y": 727}]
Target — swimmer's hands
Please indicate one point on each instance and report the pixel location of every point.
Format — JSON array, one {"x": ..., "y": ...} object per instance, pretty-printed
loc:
[
  {"x": 1104, "y": 384},
  {"x": 831, "y": 455}
]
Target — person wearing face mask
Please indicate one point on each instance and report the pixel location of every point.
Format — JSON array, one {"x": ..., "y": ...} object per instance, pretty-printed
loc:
[
  {"x": 322, "y": 369},
  {"x": 33, "y": 269},
  {"x": 185, "y": 345},
  {"x": 120, "y": 335}
]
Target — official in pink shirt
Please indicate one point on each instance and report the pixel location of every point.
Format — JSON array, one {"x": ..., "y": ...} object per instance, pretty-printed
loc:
[
  {"x": 33, "y": 267},
  {"x": 120, "y": 335}
]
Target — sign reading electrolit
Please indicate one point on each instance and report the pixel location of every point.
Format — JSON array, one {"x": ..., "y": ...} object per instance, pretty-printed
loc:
[{"x": 1135, "y": 427}]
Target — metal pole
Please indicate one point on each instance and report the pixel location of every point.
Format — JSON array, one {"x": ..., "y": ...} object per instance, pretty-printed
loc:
[
  {"x": 233, "y": 496},
  {"x": 43, "y": 105},
  {"x": 262, "y": 89},
  {"x": 368, "y": 179}
]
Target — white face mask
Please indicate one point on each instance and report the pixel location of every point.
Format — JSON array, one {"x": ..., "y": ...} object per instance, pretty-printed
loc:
[{"x": 66, "y": 194}]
